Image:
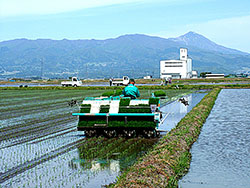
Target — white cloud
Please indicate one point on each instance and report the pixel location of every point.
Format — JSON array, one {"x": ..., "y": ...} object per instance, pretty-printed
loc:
[
  {"x": 34, "y": 7},
  {"x": 231, "y": 32},
  {"x": 27, "y": 7}
]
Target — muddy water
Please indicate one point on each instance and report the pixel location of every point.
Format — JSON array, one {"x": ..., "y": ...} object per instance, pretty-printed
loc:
[{"x": 221, "y": 155}]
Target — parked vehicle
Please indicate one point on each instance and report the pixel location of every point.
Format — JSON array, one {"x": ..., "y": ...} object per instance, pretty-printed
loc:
[
  {"x": 120, "y": 81},
  {"x": 75, "y": 82}
]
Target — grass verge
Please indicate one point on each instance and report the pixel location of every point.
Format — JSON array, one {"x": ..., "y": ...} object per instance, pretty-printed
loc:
[
  {"x": 174, "y": 86},
  {"x": 170, "y": 158}
]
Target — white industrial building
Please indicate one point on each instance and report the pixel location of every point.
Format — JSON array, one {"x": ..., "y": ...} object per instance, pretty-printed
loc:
[{"x": 177, "y": 68}]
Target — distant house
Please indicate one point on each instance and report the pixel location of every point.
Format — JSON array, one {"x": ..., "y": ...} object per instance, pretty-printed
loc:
[
  {"x": 241, "y": 75},
  {"x": 11, "y": 79},
  {"x": 194, "y": 74},
  {"x": 181, "y": 68},
  {"x": 215, "y": 76},
  {"x": 147, "y": 77}
]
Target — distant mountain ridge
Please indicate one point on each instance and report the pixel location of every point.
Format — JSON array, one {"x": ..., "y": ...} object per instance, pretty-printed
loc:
[
  {"x": 199, "y": 41},
  {"x": 134, "y": 55}
]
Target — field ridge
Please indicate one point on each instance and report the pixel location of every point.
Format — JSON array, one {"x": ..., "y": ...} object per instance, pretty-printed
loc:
[{"x": 170, "y": 158}]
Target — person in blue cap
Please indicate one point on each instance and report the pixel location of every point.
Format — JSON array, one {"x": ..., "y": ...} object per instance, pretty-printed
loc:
[{"x": 130, "y": 90}]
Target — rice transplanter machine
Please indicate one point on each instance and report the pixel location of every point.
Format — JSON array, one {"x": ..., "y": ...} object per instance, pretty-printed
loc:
[{"x": 116, "y": 116}]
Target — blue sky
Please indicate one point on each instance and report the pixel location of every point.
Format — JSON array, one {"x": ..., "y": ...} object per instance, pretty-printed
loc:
[{"x": 226, "y": 22}]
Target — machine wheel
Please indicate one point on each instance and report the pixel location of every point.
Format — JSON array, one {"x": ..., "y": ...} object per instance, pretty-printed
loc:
[
  {"x": 149, "y": 133},
  {"x": 157, "y": 134},
  {"x": 75, "y": 85},
  {"x": 110, "y": 133},
  {"x": 90, "y": 133},
  {"x": 130, "y": 133}
]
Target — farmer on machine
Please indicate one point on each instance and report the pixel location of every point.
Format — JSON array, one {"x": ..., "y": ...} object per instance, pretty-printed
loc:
[{"x": 130, "y": 90}]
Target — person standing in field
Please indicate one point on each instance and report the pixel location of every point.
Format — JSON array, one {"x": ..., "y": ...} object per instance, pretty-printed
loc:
[{"x": 110, "y": 81}]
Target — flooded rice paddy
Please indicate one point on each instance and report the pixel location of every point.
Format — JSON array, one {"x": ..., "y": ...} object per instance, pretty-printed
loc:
[
  {"x": 40, "y": 147},
  {"x": 220, "y": 157}
]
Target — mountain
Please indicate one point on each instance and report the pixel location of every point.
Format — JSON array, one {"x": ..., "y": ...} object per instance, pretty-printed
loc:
[
  {"x": 133, "y": 55},
  {"x": 199, "y": 41}
]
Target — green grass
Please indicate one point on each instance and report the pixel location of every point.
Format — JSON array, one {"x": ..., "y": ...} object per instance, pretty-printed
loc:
[
  {"x": 182, "y": 84},
  {"x": 108, "y": 93},
  {"x": 159, "y": 93}
]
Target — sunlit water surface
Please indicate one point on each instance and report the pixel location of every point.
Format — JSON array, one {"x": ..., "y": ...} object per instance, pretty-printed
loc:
[{"x": 221, "y": 155}]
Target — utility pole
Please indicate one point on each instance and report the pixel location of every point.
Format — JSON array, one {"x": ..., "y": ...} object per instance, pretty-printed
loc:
[
  {"x": 86, "y": 70},
  {"x": 111, "y": 76},
  {"x": 42, "y": 67}
]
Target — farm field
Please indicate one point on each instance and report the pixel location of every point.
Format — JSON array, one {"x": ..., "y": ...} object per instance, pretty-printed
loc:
[{"x": 40, "y": 147}]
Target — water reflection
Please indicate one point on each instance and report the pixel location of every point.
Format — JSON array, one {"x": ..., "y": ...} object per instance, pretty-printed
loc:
[
  {"x": 177, "y": 110},
  {"x": 220, "y": 157},
  {"x": 114, "y": 154}
]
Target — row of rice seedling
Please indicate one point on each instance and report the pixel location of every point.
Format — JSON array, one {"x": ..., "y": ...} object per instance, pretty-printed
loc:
[
  {"x": 28, "y": 133},
  {"x": 27, "y": 109},
  {"x": 31, "y": 163},
  {"x": 40, "y": 132},
  {"x": 68, "y": 172},
  {"x": 25, "y": 156},
  {"x": 38, "y": 116},
  {"x": 22, "y": 153},
  {"x": 52, "y": 96},
  {"x": 13, "y": 118},
  {"x": 43, "y": 97},
  {"x": 23, "y": 94},
  {"x": 34, "y": 121},
  {"x": 8, "y": 94},
  {"x": 29, "y": 119},
  {"x": 37, "y": 103},
  {"x": 57, "y": 172}
]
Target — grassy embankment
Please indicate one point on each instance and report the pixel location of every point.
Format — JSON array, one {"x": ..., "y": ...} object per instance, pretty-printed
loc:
[
  {"x": 170, "y": 158},
  {"x": 138, "y": 81},
  {"x": 179, "y": 84}
]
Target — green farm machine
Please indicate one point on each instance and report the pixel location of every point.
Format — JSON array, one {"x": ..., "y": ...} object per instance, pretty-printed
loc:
[{"x": 116, "y": 116}]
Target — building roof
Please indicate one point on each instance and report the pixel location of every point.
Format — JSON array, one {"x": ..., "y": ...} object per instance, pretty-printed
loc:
[{"x": 175, "y": 60}]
